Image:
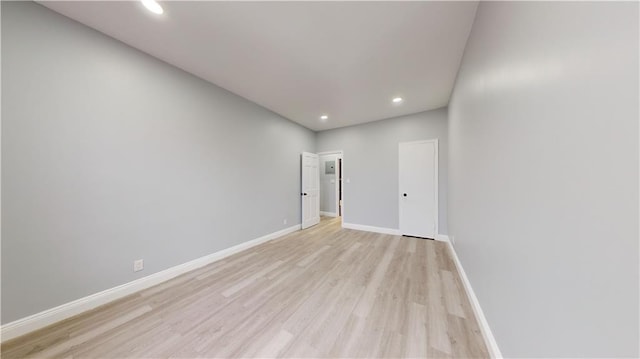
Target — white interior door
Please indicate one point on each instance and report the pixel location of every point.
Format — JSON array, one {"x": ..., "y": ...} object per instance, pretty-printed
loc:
[
  {"x": 310, "y": 189},
  {"x": 419, "y": 188}
]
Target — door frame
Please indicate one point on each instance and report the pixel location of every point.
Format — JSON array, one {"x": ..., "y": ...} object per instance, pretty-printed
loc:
[
  {"x": 437, "y": 155},
  {"x": 339, "y": 177}
]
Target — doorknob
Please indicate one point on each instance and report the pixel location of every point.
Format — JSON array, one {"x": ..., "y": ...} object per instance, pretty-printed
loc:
[
  {"x": 404, "y": 194},
  {"x": 304, "y": 194}
]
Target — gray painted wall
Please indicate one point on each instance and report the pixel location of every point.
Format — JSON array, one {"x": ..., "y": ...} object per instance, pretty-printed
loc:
[
  {"x": 328, "y": 188},
  {"x": 110, "y": 155},
  {"x": 543, "y": 194},
  {"x": 371, "y": 164}
]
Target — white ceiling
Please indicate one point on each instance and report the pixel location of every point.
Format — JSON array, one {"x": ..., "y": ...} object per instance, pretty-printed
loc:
[{"x": 302, "y": 59}]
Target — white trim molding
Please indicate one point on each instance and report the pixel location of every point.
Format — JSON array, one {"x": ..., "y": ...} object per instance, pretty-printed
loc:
[
  {"x": 339, "y": 171},
  {"x": 67, "y": 310},
  {"x": 395, "y": 232},
  {"x": 360, "y": 227},
  {"x": 489, "y": 340},
  {"x": 328, "y": 214}
]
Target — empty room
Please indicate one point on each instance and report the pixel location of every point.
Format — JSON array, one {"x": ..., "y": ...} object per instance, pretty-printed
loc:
[{"x": 365, "y": 179}]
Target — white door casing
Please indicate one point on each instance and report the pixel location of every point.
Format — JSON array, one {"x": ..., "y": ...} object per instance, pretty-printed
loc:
[
  {"x": 418, "y": 171},
  {"x": 310, "y": 194},
  {"x": 339, "y": 180}
]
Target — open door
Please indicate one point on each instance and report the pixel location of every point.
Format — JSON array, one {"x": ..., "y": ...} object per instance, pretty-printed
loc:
[{"x": 310, "y": 193}]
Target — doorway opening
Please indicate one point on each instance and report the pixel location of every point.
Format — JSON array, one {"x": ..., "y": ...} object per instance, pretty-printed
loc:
[
  {"x": 340, "y": 187},
  {"x": 331, "y": 184}
]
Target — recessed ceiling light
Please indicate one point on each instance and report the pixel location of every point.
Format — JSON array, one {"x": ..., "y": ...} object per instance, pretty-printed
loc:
[
  {"x": 153, "y": 6},
  {"x": 397, "y": 99},
  {"x": 324, "y": 117}
]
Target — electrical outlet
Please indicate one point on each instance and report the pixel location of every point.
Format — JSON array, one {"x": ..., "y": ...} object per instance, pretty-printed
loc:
[
  {"x": 284, "y": 221},
  {"x": 138, "y": 265}
]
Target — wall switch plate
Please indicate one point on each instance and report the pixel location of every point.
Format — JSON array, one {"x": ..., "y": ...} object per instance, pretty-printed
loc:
[
  {"x": 284, "y": 221},
  {"x": 138, "y": 265}
]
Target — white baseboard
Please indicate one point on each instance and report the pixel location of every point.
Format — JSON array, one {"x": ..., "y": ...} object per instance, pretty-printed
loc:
[
  {"x": 360, "y": 227},
  {"x": 442, "y": 238},
  {"x": 395, "y": 232},
  {"x": 489, "y": 340},
  {"x": 328, "y": 214},
  {"x": 67, "y": 310}
]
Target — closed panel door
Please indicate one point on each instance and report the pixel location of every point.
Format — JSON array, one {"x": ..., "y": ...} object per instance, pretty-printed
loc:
[
  {"x": 419, "y": 188},
  {"x": 310, "y": 193}
]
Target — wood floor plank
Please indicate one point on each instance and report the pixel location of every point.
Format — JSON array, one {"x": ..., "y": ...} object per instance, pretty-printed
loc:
[{"x": 324, "y": 292}]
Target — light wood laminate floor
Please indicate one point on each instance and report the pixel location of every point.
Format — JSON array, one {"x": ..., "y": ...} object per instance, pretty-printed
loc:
[{"x": 322, "y": 292}]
